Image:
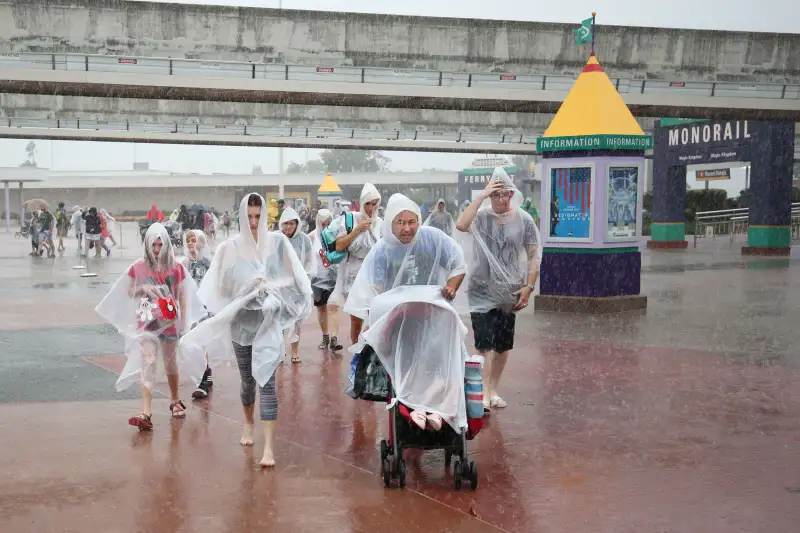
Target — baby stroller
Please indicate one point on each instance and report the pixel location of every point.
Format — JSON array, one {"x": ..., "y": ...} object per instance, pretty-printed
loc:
[{"x": 421, "y": 344}]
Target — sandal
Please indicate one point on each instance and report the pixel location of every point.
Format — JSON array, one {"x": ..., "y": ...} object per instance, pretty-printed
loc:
[
  {"x": 296, "y": 359},
  {"x": 142, "y": 422},
  {"x": 178, "y": 409},
  {"x": 498, "y": 402}
]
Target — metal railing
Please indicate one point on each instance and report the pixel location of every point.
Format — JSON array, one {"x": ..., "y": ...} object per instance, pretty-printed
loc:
[
  {"x": 391, "y": 76},
  {"x": 734, "y": 223},
  {"x": 272, "y": 131}
]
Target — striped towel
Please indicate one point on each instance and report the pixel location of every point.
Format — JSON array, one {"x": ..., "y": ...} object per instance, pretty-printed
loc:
[{"x": 473, "y": 386}]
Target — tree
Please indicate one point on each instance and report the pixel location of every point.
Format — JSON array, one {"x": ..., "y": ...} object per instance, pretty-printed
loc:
[
  {"x": 343, "y": 161},
  {"x": 354, "y": 161},
  {"x": 315, "y": 166}
]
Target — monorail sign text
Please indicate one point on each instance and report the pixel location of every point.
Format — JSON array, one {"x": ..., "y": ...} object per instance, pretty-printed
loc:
[
  {"x": 709, "y": 133},
  {"x": 712, "y": 141}
]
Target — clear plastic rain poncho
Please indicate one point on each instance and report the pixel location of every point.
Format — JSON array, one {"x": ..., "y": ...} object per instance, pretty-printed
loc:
[
  {"x": 255, "y": 290},
  {"x": 325, "y": 277},
  {"x": 441, "y": 219},
  {"x": 359, "y": 248},
  {"x": 198, "y": 264},
  {"x": 154, "y": 302},
  {"x": 431, "y": 258},
  {"x": 414, "y": 331},
  {"x": 77, "y": 226},
  {"x": 419, "y": 338},
  {"x": 504, "y": 248},
  {"x": 301, "y": 243}
]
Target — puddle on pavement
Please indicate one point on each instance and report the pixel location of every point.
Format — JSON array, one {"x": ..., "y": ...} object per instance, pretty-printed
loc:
[{"x": 69, "y": 285}]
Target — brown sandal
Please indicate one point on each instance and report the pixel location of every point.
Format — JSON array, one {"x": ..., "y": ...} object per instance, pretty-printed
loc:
[{"x": 178, "y": 409}]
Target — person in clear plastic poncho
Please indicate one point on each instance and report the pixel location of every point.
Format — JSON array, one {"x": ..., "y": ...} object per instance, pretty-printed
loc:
[
  {"x": 255, "y": 289},
  {"x": 289, "y": 225},
  {"x": 441, "y": 219},
  {"x": 403, "y": 289},
  {"x": 152, "y": 304},
  {"x": 365, "y": 233},
  {"x": 197, "y": 261},
  {"x": 506, "y": 253},
  {"x": 322, "y": 284}
]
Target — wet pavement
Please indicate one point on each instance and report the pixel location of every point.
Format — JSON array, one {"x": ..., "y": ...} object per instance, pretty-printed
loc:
[{"x": 683, "y": 418}]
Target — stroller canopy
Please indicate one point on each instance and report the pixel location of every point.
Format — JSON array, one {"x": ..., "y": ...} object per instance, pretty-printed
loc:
[{"x": 419, "y": 339}]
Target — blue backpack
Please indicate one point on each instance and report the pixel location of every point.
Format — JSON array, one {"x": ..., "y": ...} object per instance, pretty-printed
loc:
[{"x": 329, "y": 252}]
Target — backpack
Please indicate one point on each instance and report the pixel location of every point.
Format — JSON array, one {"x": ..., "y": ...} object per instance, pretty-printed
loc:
[{"x": 329, "y": 240}]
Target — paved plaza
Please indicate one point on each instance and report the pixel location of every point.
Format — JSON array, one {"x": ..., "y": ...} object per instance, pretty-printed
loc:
[{"x": 684, "y": 418}]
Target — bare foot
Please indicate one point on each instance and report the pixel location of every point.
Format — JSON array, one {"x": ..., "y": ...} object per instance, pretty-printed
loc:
[
  {"x": 247, "y": 435},
  {"x": 268, "y": 460}
]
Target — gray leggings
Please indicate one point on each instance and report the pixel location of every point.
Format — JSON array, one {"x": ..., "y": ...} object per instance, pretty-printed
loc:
[{"x": 268, "y": 400}]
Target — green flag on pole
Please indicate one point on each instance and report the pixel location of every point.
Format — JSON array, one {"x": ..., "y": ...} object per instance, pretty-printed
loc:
[{"x": 584, "y": 33}]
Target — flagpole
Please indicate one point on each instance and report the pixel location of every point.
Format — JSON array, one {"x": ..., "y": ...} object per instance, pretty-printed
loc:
[{"x": 593, "y": 17}]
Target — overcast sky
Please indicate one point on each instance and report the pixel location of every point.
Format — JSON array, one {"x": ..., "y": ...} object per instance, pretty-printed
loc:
[{"x": 739, "y": 15}]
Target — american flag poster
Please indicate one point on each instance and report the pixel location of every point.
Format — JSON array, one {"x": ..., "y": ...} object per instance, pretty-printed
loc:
[{"x": 571, "y": 203}]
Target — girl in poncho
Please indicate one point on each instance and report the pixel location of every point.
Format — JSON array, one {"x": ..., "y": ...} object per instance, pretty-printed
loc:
[
  {"x": 151, "y": 305},
  {"x": 301, "y": 244},
  {"x": 197, "y": 261}
]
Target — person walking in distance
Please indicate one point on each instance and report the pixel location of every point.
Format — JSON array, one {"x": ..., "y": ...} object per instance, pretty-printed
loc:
[
  {"x": 505, "y": 244},
  {"x": 62, "y": 225},
  {"x": 322, "y": 285}
]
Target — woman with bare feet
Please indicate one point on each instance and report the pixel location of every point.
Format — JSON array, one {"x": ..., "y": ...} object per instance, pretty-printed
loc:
[
  {"x": 151, "y": 305},
  {"x": 256, "y": 288}
]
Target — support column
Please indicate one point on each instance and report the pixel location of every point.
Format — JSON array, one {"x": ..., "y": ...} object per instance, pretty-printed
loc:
[
  {"x": 21, "y": 205},
  {"x": 8, "y": 205},
  {"x": 668, "y": 227},
  {"x": 769, "y": 231}
]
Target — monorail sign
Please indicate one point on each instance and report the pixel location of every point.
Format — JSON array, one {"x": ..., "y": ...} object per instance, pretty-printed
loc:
[
  {"x": 717, "y": 141},
  {"x": 730, "y": 131}
]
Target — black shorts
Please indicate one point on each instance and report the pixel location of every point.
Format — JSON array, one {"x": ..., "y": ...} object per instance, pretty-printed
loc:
[
  {"x": 320, "y": 296},
  {"x": 494, "y": 331}
]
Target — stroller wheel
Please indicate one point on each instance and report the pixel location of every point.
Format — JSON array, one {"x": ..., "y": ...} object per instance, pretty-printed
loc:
[
  {"x": 386, "y": 471},
  {"x": 401, "y": 473},
  {"x": 473, "y": 475},
  {"x": 457, "y": 471},
  {"x": 384, "y": 450}
]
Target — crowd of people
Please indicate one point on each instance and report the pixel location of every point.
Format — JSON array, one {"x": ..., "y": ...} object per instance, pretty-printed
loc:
[
  {"x": 246, "y": 300},
  {"x": 92, "y": 228}
]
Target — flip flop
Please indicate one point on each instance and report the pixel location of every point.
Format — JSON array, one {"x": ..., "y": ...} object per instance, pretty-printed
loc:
[{"x": 296, "y": 360}]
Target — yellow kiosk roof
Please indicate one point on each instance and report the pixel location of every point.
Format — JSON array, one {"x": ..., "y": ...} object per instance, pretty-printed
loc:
[
  {"x": 329, "y": 186},
  {"x": 594, "y": 116}
]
